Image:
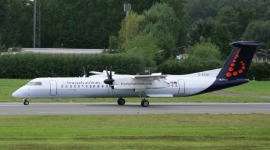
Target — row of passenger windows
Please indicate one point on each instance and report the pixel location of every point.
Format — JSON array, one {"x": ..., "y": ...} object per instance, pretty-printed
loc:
[{"x": 84, "y": 86}]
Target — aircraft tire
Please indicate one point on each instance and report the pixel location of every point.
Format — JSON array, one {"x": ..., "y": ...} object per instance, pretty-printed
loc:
[
  {"x": 121, "y": 101},
  {"x": 145, "y": 103},
  {"x": 25, "y": 102}
]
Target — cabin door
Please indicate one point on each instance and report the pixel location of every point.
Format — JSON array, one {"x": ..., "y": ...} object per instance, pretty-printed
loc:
[
  {"x": 53, "y": 88},
  {"x": 181, "y": 87}
]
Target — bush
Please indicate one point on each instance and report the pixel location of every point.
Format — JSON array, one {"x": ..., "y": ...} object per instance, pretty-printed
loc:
[
  {"x": 259, "y": 71},
  {"x": 41, "y": 65}
]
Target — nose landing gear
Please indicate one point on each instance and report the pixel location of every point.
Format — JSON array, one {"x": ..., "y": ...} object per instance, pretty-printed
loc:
[{"x": 25, "y": 101}]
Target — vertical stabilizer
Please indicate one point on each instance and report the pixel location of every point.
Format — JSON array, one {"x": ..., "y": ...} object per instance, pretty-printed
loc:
[
  {"x": 235, "y": 69},
  {"x": 238, "y": 62}
]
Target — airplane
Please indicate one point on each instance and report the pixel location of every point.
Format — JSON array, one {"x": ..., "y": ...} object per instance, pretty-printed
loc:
[{"x": 107, "y": 84}]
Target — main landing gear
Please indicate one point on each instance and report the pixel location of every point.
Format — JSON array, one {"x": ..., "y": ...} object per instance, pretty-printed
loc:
[
  {"x": 121, "y": 101},
  {"x": 144, "y": 102},
  {"x": 25, "y": 101}
]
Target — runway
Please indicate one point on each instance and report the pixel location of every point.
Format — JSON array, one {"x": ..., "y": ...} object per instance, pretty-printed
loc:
[{"x": 132, "y": 108}]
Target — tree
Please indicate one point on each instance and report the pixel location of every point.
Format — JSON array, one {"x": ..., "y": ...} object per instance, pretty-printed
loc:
[
  {"x": 130, "y": 28},
  {"x": 221, "y": 37},
  {"x": 205, "y": 52},
  {"x": 202, "y": 56},
  {"x": 202, "y": 29},
  {"x": 180, "y": 25},
  {"x": 159, "y": 24},
  {"x": 229, "y": 17},
  {"x": 258, "y": 31},
  {"x": 142, "y": 46},
  {"x": 16, "y": 25}
]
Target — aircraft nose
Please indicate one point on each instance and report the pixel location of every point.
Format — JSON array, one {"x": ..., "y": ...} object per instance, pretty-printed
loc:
[{"x": 17, "y": 94}]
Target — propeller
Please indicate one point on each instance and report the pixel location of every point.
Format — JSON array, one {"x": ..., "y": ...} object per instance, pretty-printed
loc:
[
  {"x": 109, "y": 80},
  {"x": 86, "y": 72}
]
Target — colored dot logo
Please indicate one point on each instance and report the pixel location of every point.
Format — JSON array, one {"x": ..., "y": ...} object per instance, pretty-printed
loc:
[{"x": 232, "y": 71}]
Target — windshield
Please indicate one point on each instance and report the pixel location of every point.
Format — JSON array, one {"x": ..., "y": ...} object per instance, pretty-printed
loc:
[{"x": 31, "y": 83}]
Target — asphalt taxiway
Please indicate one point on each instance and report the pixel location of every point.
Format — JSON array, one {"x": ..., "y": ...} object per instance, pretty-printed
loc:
[{"x": 132, "y": 108}]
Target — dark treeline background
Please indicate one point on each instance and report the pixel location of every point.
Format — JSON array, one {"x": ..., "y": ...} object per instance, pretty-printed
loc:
[
  {"x": 75, "y": 24},
  {"x": 150, "y": 36},
  {"x": 90, "y": 23}
]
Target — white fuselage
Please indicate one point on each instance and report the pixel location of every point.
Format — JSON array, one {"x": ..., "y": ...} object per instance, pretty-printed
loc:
[{"x": 94, "y": 87}]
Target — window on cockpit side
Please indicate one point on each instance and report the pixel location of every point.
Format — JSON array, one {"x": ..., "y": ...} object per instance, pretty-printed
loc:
[{"x": 31, "y": 83}]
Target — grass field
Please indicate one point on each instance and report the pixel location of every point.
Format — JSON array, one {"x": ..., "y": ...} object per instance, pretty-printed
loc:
[
  {"x": 171, "y": 131},
  {"x": 232, "y": 132},
  {"x": 251, "y": 90}
]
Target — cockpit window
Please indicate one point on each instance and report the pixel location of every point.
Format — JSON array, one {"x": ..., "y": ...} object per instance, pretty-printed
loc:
[{"x": 31, "y": 83}]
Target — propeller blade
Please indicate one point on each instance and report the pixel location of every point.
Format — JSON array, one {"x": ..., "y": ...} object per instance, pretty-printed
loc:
[
  {"x": 111, "y": 72},
  {"x": 85, "y": 71},
  {"x": 107, "y": 72},
  {"x": 109, "y": 80}
]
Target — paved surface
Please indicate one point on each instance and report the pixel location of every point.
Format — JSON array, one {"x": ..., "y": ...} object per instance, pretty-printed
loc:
[{"x": 132, "y": 108}]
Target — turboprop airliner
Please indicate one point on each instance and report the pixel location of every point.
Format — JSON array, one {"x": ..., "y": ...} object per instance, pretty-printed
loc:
[{"x": 108, "y": 84}]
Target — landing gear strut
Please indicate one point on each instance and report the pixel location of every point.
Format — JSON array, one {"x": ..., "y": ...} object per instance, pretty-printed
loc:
[
  {"x": 145, "y": 103},
  {"x": 121, "y": 101},
  {"x": 25, "y": 102}
]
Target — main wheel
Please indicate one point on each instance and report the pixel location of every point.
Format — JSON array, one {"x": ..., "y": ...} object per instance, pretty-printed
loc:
[
  {"x": 145, "y": 103},
  {"x": 121, "y": 101},
  {"x": 25, "y": 102}
]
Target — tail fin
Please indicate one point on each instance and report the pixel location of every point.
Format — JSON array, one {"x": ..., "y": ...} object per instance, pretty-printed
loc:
[
  {"x": 234, "y": 71},
  {"x": 238, "y": 62}
]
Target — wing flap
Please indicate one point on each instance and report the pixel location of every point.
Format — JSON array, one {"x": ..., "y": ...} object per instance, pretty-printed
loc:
[{"x": 152, "y": 76}]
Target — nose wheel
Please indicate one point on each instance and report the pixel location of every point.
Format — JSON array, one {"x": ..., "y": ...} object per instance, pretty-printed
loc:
[{"x": 25, "y": 102}]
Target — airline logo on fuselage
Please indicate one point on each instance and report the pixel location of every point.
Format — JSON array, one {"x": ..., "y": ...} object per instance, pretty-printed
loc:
[{"x": 80, "y": 83}]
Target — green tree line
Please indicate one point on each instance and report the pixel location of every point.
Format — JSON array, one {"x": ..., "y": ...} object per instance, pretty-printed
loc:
[
  {"x": 36, "y": 65},
  {"x": 90, "y": 23},
  {"x": 153, "y": 33}
]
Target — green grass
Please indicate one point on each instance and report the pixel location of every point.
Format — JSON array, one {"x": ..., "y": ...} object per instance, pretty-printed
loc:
[
  {"x": 172, "y": 131},
  {"x": 136, "y": 132},
  {"x": 251, "y": 89},
  {"x": 260, "y": 88}
]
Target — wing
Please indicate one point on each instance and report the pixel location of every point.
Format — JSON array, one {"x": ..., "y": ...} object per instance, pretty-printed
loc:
[
  {"x": 154, "y": 77},
  {"x": 141, "y": 82}
]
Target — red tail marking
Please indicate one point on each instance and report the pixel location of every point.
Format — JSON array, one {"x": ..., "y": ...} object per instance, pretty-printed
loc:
[{"x": 231, "y": 71}]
